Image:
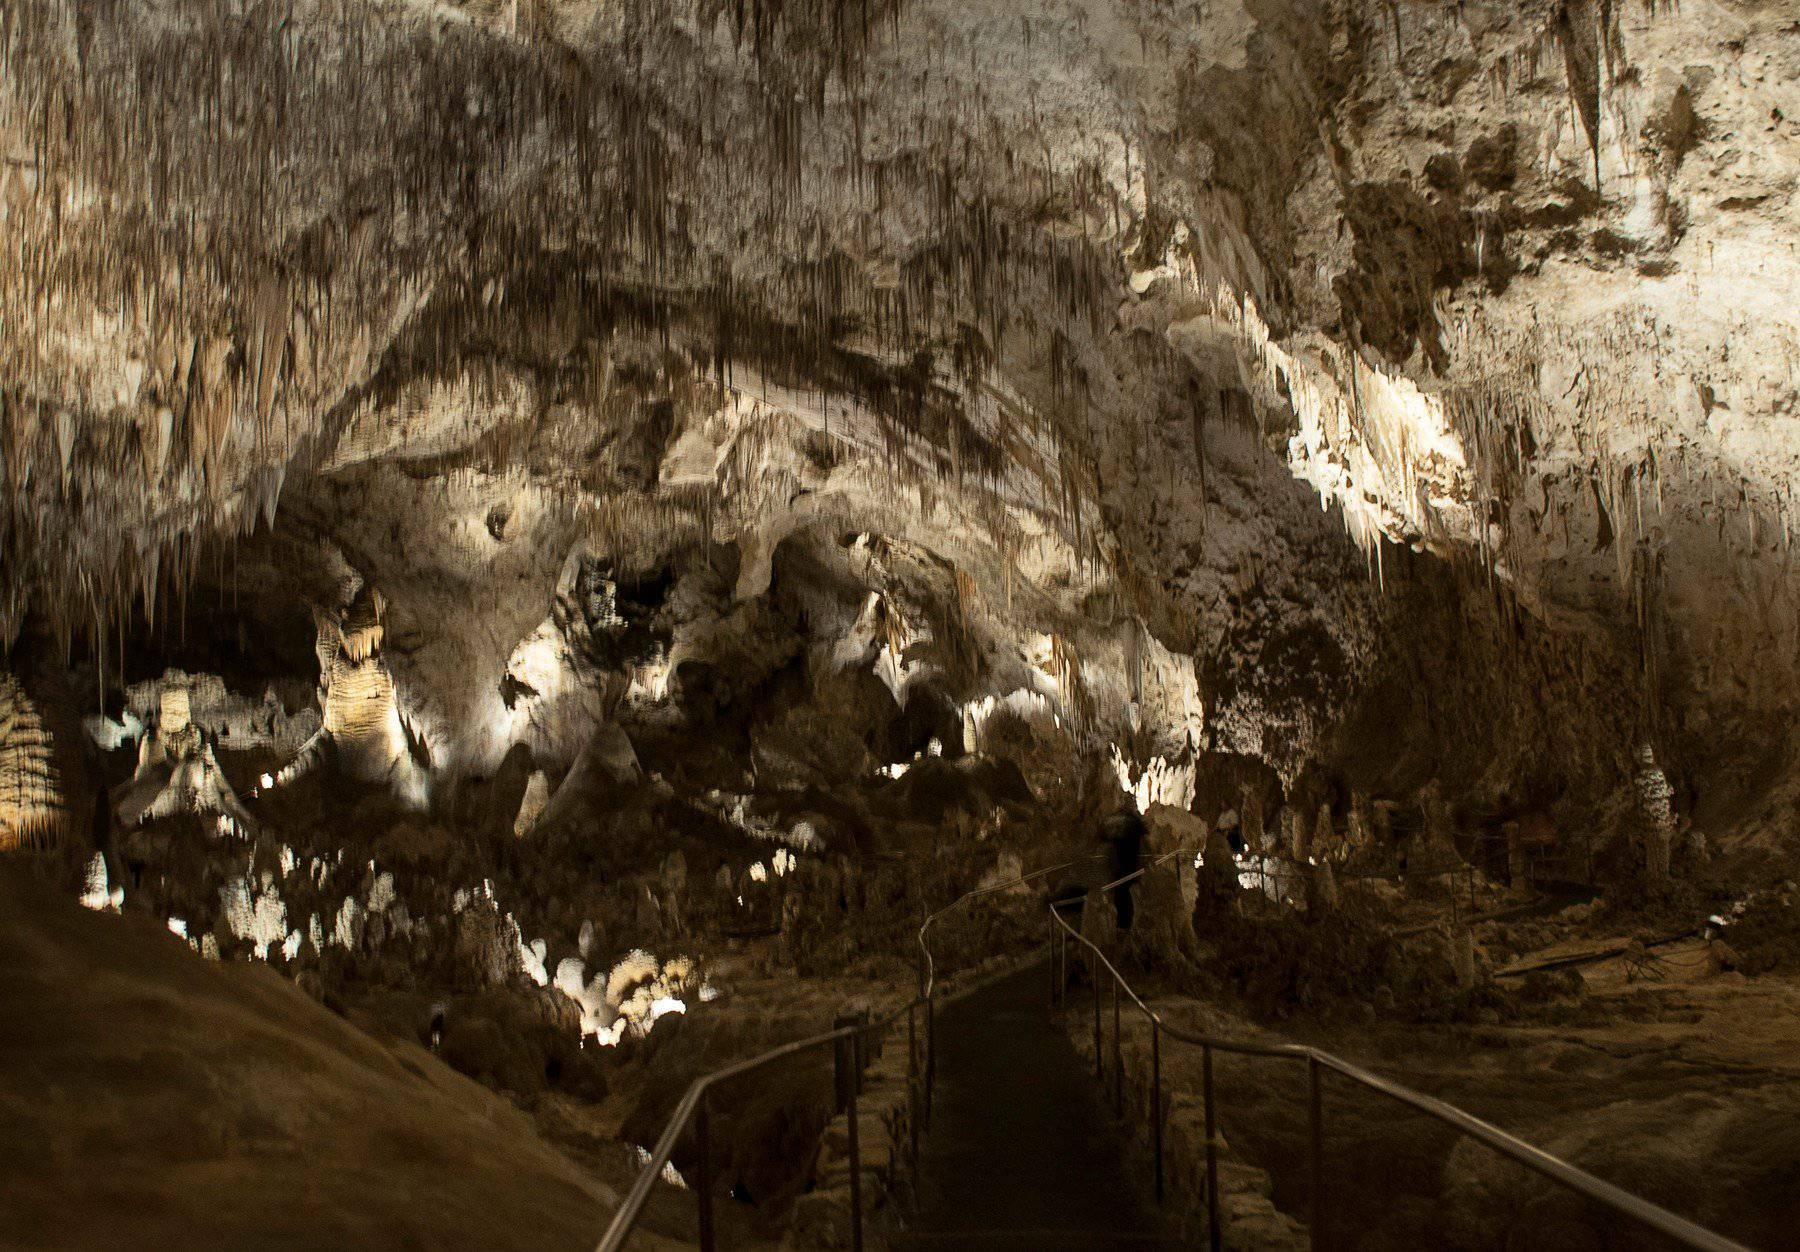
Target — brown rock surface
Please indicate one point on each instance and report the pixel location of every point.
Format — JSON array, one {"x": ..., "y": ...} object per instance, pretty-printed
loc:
[{"x": 154, "y": 1099}]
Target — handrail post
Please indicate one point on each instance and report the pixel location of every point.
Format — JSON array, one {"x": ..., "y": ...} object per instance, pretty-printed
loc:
[
  {"x": 856, "y": 1216},
  {"x": 860, "y": 1051},
  {"x": 1062, "y": 967},
  {"x": 1212, "y": 1150},
  {"x": 693, "y": 1114},
  {"x": 1099, "y": 1053},
  {"x": 928, "y": 992},
  {"x": 1156, "y": 1102},
  {"x": 703, "y": 1190},
  {"x": 912, "y": 1079},
  {"x": 1052, "y": 955},
  {"x": 930, "y": 1051},
  {"x": 843, "y": 1064},
  {"x": 1118, "y": 1055},
  {"x": 1317, "y": 1121}
]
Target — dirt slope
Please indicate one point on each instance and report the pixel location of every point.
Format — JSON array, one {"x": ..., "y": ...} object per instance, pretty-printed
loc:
[{"x": 154, "y": 1099}]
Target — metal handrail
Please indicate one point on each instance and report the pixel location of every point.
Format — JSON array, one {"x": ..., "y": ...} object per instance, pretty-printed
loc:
[
  {"x": 928, "y": 963},
  {"x": 1687, "y": 1233},
  {"x": 692, "y": 1106}
]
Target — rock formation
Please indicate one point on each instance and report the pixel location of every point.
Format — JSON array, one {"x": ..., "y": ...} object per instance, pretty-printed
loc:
[
  {"x": 361, "y": 734},
  {"x": 177, "y": 771},
  {"x": 34, "y": 808},
  {"x": 589, "y": 490}
]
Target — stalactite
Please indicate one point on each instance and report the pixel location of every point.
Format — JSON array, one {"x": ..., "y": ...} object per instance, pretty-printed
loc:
[{"x": 253, "y": 318}]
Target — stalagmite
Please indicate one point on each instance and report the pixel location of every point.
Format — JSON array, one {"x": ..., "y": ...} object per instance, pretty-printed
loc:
[
  {"x": 1432, "y": 860},
  {"x": 34, "y": 811},
  {"x": 1359, "y": 828},
  {"x": 362, "y": 733},
  {"x": 531, "y": 805},
  {"x": 1518, "y": 869},
  {"x": 1656, "y": 816},
  {"x": 98, "y": 891},
  {"x": 1296, "y": 834},
  {"x": 1462, "y": 956},
  {"x": 1321, "y": 888},
  {"x": 1167, "y": 897},
  {"x": 1326, "y": 845},
  {"x": 177, "y": 771},
  {"x": 1251, "y": 820}
]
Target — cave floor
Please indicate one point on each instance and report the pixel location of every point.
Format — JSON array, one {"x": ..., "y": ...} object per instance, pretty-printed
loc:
[
  {"x": 1021, "y": 1152},
  {"x": 1678, "y": 1085},
  {"x": 152, "y": 1099}
]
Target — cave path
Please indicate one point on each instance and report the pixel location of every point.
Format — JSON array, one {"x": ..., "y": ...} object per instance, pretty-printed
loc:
[{"x": 1020, "y": 1153}]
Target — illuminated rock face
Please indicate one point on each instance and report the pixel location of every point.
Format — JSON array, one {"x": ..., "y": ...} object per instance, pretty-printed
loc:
[
  {"x": 1098, "y": 320},
  {"x": 361, "y": 733},
  {"x": 362, "y": 720},
  {"x": 33, "y": 807},
  {"x": 177, "y": 770},
  {"x": 796, "y": 441}
]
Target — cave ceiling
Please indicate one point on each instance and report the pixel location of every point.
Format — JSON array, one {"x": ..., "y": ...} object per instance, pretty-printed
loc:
[{"x": 1179, "y": 330}]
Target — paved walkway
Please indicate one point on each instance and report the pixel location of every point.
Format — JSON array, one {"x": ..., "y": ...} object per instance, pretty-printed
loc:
[{"x": 1021, "y": 1153}]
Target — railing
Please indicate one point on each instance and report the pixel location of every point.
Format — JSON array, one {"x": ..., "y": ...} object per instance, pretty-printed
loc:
[
  {"x": 849, "y": 1060},
  {"x": 1620, "y": 1201}
]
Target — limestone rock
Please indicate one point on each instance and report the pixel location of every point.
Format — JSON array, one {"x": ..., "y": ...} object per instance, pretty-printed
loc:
[{"x": 34, "y": 811}]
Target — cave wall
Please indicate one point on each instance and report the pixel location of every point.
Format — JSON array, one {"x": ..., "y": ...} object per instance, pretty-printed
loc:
[{"x": 1093, "y": 302}]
